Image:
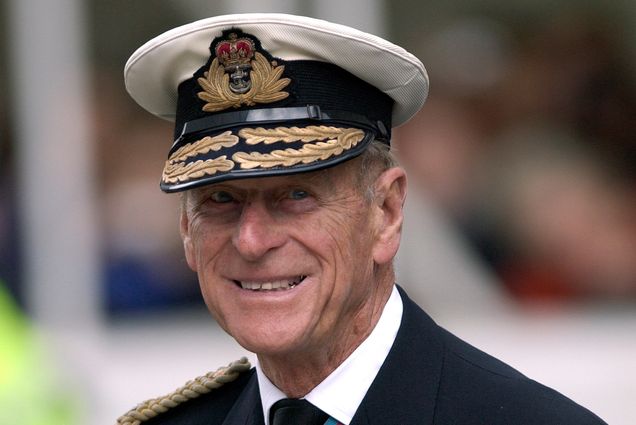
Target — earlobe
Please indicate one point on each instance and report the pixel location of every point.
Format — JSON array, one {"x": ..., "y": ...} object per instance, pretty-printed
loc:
[
  {"x": 188, "y": 247},
  {"x": 390, "y": 189}
]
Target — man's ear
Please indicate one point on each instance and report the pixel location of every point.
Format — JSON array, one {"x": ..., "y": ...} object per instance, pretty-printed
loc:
[
  {"x": 390, "y": 193},
  {"x": 188, "y": 247}
]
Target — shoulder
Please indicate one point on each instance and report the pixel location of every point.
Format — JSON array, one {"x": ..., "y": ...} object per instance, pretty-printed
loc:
[
  {"x": 472, "y": 386},
  {"x": 473, "y": 381},
  {"x": 215, "y": 391}
]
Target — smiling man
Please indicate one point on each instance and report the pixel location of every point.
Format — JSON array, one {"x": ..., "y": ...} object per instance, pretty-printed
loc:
[{"x": 291, "y": 217}]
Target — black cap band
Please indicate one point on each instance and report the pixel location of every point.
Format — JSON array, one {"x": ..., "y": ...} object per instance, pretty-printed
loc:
[{"x": 200, "y": 127}]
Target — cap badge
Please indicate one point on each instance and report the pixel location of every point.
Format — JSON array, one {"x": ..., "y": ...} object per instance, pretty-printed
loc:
[{"x": 240, "y": 75}]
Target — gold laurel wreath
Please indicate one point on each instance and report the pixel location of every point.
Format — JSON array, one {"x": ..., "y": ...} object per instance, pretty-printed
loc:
[
  {"x": 175, "y": 169},
  {"x": 339, "y": 140},
  {"x": 267, "y": 85}
]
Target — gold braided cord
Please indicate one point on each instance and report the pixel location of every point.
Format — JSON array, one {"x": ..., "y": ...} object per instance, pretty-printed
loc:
[
  {"x": 203, "y": 146},
  {"x": 267, "y": 85},
  {"x": 346, "y": 138},
  {"x": 181, "y": 172},
  {"x": 192, "y": 389}
]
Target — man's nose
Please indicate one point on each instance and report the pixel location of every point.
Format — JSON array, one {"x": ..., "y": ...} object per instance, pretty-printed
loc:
[{"x": 257, "y": 232}]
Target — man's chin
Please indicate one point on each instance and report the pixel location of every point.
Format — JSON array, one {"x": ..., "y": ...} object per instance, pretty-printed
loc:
[{"x": 273, "y": 345}]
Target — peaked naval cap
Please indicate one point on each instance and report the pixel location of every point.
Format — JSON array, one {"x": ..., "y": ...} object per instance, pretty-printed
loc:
[{"x": 272, "y": 94}]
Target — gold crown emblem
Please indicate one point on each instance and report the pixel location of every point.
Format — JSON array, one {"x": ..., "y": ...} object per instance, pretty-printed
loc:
[
  {"x": 240, "y": 75},
  {"x": 235, "y": 52}
]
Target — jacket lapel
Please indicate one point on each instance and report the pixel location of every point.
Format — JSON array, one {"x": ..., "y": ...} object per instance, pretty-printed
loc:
[
  {"x": 405, "y": 389},
  {"x": 247, "y": 409}
]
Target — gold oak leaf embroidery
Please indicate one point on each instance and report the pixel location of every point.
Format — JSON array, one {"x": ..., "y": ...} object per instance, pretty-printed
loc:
[
  {"x": 203, "y": 146},
  {"x": 176, "y": 170},
  {"x": 267, "y": 85},
  {"x": 338, "y": 141},
  {"x": 254, "y": 136},
  {"x": 181, "y": 172}
]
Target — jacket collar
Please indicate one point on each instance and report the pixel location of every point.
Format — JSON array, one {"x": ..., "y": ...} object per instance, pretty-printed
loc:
[
  {"x": 406, "y": 387},
  {"x": 247, "y": 408}
]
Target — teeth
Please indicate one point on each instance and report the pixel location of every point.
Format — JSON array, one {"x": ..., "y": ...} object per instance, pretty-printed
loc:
[{"x": 273, "y": 285}]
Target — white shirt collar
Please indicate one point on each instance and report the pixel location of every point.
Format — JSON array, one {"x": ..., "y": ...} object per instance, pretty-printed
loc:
[{"x": 341, "y": 393}]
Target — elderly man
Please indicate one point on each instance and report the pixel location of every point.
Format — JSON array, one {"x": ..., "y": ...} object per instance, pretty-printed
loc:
[{"x": 291, "y": 217}]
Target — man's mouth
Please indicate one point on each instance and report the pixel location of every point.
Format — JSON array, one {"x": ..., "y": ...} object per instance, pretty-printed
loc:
[{"x": 274, "y": 285}]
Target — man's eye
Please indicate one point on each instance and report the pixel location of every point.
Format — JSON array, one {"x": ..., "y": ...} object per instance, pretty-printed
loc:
[
  {"x": 221, "y": 197},
  {"x": 298, "y": 194}
]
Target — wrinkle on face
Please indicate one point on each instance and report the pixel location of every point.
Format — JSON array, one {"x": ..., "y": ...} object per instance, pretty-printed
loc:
[{"x": 330, "y": 239}]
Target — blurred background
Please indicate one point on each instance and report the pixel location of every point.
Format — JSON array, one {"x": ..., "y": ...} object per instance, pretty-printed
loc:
[{"x": 520, "y": 233}]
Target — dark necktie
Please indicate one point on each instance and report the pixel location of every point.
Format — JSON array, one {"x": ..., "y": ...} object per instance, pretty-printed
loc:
[{"x": 289, "y": 411}]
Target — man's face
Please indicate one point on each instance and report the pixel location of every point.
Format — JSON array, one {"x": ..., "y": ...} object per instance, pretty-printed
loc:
[{"x": 286, "y": 264}]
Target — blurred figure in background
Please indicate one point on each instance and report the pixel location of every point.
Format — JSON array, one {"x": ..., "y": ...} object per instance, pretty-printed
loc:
[
  {"x": 565, "y": 221},
  {"x": 144, "y": 268},
  {"x": 531, "y": 152},
  {"x": 30, "y": 393}
]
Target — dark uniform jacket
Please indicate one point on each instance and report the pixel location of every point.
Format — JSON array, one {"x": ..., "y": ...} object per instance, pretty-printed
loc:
[{"x": 429, "y": 377}]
